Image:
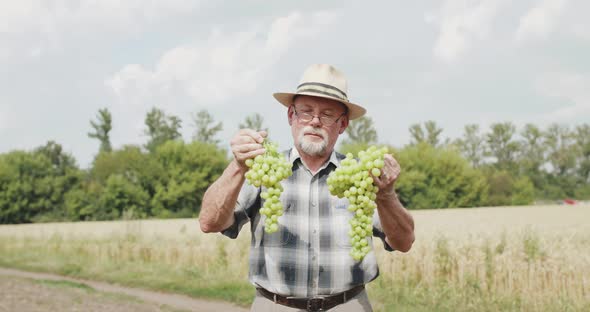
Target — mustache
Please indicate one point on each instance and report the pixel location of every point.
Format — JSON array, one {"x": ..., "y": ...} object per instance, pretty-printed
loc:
[{"x": 315, "y": 131}]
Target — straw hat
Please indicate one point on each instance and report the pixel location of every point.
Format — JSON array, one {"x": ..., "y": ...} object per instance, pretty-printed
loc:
[{"x": 322, "y": 80}]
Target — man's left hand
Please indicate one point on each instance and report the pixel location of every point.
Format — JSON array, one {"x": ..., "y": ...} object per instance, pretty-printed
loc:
[{"x": 389, "y": 174}]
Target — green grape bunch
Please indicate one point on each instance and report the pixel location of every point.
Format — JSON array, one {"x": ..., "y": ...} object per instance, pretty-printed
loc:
[
  {"x": 353, "y": 181},
  {"x": 267, "y": 171}
]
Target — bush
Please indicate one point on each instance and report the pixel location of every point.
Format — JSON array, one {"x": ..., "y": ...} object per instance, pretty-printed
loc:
[{"x": 438, "y": 178}]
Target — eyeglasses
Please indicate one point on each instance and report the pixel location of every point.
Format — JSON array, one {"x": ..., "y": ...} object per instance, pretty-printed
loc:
[{"x": 325, "y": 120}]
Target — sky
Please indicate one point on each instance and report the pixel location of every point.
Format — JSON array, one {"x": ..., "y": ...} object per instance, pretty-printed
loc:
[{"x": 453, "y": 62}]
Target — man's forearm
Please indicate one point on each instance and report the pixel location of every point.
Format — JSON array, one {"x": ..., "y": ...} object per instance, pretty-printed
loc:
[
  {"x": 220, "y": 199},
  {"x": 397, "y": 223}
]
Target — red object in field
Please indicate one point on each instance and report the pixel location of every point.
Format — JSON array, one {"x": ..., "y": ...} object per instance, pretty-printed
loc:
[{"x": 569, "y": 201}]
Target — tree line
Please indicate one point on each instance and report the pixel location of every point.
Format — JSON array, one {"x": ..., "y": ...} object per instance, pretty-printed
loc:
[
  {"x": 167, "y": 176},
  {"x": 497, "y": 167}
]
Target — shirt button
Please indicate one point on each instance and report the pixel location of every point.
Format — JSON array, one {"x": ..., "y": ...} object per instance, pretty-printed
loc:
[{"x": 313, "y": 204}]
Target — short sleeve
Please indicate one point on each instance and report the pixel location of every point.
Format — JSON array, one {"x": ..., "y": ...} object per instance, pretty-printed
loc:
[{"x": 247, "y": 205}]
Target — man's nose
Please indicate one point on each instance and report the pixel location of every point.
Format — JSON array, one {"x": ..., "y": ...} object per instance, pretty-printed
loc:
[{"x": 315, "y": 122}]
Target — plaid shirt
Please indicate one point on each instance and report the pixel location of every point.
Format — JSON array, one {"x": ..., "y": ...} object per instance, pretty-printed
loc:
[{"x": 310, "y": 254}]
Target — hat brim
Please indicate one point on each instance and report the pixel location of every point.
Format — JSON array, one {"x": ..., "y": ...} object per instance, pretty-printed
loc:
[{"x": 354, "y": 111}]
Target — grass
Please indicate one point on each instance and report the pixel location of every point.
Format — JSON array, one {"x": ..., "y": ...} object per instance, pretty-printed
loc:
[
  {"x": 129, "y": 262},
  {"x": 169, "y": 258},
  {"x": 64, "y": 284},
  {"x": 484, "y": 259}
]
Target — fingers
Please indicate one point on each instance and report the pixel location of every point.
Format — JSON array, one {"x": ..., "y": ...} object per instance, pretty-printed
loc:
[
  {"x": 392, "y": 168},
  {"x": 256, "y": 136},
  {"x": 246, "y": 144},
  {"x": 389, "y": 173},
  {"x": 241, "y": 157},
  {"x": 247, "y": 147}
]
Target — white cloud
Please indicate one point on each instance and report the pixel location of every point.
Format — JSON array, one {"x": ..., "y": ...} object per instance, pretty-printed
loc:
[
  {"x": 30, "y": 27},
  {"x": 540, "y": 21},
  {"x": 30, "y": 15},
  {"x": 571, "y": 87},
  {"x": 462, "y": 22},
  {"x": 225, "y": 65}
]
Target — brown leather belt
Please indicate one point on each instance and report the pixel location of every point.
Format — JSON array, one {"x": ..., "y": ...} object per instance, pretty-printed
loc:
[{"x": 312, "y": 304}]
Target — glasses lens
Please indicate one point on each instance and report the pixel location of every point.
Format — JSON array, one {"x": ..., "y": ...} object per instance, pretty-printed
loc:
[
  {"x": 307, "y": 117},
  {"x": 328, "y": 121}
]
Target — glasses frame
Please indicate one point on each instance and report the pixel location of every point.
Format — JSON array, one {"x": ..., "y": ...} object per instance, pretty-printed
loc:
[{"x": 320, "y": 118}]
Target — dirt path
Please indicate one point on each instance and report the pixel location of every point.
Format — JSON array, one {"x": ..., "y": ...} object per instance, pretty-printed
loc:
[
  {"x": 20, "y": 294},
  {"x": 30, "y": 295}
]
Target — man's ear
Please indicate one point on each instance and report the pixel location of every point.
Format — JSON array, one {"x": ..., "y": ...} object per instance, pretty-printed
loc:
[
  {"x": 343, "y": 124},
  {"x": 290, "y": 115}
]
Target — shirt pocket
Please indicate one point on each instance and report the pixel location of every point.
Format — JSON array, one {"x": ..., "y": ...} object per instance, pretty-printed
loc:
[
  {"x": 341, "y": 222},
  {"x": 283, "y": 237}
]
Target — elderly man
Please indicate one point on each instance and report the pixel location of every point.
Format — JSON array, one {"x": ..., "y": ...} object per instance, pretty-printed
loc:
[{"x": 306, "y": 265}]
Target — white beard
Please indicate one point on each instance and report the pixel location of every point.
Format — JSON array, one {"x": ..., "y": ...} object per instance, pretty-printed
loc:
[{"x": 313, "y": 148}]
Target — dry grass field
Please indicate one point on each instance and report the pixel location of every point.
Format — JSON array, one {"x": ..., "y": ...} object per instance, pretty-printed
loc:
[{"x": 534, "y": 258}]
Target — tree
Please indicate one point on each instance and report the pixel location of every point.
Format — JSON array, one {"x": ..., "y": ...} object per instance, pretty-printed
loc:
[
  {"x": 161, "y": 128},
  {"x": 102, "y": 127},
  {"x": 24, "y": 187},
  {"x": 81, "y": 203},
  {"x": 60, "y": 160},
  {"x": 559, "y": 144},
  {"x": 416, "y": 134},
  {"x": 205, "y": 128},
  {"x": 532, "y": 156},
  {"x": 532, "y": 159},
  {"x": 472, "y": 145},
  {"x": 361, "y": 131},
  {"x": 505, "y": 190},
  {"x": 501, "y": 144},
  {"x": 188, "y": 169},
  {"x": 33, "y": 185},
  {"x": 120, "y": 196},
  {"x": 582, "y": 138},
  {"x": 430, "y": 134},
  {"x": 438, "y": 178},
  {"x": 524, "y": 191},
  {"x": 253, "y": 122},
  {"x": 133, "y": 164},
  {"x": 63, "y": 177}
]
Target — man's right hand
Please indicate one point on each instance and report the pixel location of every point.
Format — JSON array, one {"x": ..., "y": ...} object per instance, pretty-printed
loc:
[{"x": 246, "y": 144}]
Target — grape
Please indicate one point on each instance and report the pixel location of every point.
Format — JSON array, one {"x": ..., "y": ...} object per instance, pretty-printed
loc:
[
  {"x": 353, "y": 181},
  {"x": 267, "y": 171}
]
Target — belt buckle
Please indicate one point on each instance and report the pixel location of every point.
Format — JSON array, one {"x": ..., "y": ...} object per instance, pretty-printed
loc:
[{"x": 315, "y": 304}]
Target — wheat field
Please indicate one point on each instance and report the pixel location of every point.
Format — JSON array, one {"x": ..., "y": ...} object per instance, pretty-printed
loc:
[{"x": 534, "y": 258}]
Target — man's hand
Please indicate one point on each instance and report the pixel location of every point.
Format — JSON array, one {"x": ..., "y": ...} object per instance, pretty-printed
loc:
[
  {"x": 389, "y": 174},
  {"x": 247, "y": 144}
]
